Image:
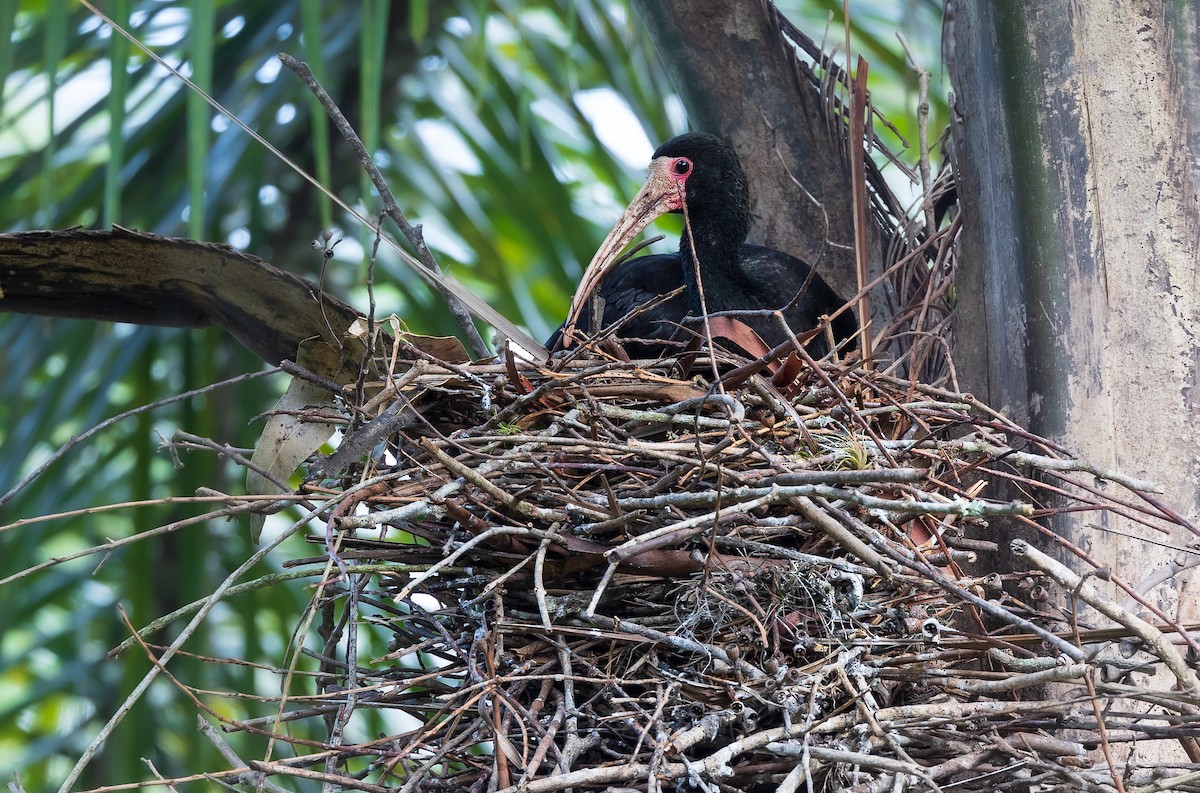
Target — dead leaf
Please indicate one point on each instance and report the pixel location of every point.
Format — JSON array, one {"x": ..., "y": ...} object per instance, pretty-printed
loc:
[{"x": 288, "y": 438}]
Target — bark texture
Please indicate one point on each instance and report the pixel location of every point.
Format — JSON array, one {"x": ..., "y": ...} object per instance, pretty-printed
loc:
[
  {"x": 127, "y": 276},
  {"x": 1078, "y": 295}
]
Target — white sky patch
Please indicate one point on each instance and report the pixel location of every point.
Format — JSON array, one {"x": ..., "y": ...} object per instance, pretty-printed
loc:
[
  {"x": 440, "y": 236},
  {"x": 427, "y": 602},
  {"x": 170, "y": 26},
  {"x": 522, "y": 353},
  {"x": 233, "y": 27},
  {"x": 269, "y": 70},
  {"x": 349, "y": 250},
  {"x": 447, "y": 146},
  {"x": 499, "y": 31},
  {"x": 555, "y": 115},
  {"x": 28, "y": 131},
  {"x": 91, "y": 25},
  {"x": 239, "y": 238},
  {"x": 80, "y": 92},
  {"x": 616, "y": 126},
  {"x": 545, "y": 25},
  {"x": 25, "y": 98},
  {"x": 675, "y": 113}
]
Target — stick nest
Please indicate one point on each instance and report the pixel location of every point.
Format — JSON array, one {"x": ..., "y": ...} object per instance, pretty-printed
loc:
[{"x": 606, "y": 577}]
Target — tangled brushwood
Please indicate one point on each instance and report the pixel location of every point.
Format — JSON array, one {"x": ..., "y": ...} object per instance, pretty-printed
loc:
[{"x": 595, "y": 576}]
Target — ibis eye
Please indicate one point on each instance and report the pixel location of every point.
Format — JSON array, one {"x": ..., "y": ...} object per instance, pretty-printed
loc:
[{"x": 682, "y": 166}]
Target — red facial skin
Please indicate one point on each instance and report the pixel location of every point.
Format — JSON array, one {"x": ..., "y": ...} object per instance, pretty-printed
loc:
[{"x": 664, "y": 191}]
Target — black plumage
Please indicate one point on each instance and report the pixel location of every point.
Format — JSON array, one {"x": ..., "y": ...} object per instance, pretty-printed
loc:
[
  {"x": 631, "y": 285},
  {"x": 701, "y": 173}
]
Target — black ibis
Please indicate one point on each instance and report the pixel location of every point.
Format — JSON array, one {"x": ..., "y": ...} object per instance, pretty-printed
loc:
[{"x": 699, "y": 175}]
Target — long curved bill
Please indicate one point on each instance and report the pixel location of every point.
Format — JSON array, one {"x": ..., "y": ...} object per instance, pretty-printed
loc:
[{"x": 659, "y": 195}]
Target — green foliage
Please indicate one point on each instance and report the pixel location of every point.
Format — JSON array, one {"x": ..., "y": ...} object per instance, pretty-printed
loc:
[{"x": 483, "y": 115}]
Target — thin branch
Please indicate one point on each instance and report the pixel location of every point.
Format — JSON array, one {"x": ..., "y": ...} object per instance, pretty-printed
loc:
[{"x": 412, "y": 233}]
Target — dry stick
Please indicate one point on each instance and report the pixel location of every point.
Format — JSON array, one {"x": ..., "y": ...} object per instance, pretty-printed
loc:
[
  {"x": 719, "y": 763},
  {"x": 858, "y": 183},
  {"x": 485, "y": 397},
  {"x": 412, "y": 233},
  {"x": 655, "y": 718},
  {"x": 842, "y": 398},
  {"x": 678, "y": 642},
  {"x": 250, "y": 586},
  {"x": 593, "y": 343},
  {"x": 204, "y": 496},
  {"x": 922, "y": 130},
  {"x": 216, "y": 597},
  {"x": 224, "y": 749},
  {"x": 539, "y": 583},
  {"x": 841, "y": 535},
  {"x": 1101, "y": 502},
  {"x": 1186, "y": 560},
  {"x": 83, "y": 436},
  {"x": 1057, "y": 674},
  {"x": 796, "y": 749},
  {"x": 360, "y": 381},
  {"x": 659, "y": 417},
  {"x": 946, "y": 583},
  {"x": 681, "y": 530},
  {"x": 302, "y": 630},
  {"x": 188, "y": 440},
  {"x": 433, "y": 506},
  {"x": 575, "y": 746},
  {"x": 865, "y": 703},
  {"x": 695, "y": 264},
  {"x": 547, "y": 741},
  {"x": 1053, "y": 769},
  {"x": 478, "y": 539},
  {"x": 111, "y": 545},
  {"x": 799, "y": 774},
  {"x": 765, "y": 548},
  {"x": 499, "y": 580},
  {"x": 934, "y": 289},
  {"x": 359, "y": 442},
  {"x": 417, "y": 775},
  {"x": 473, "y": 476},
  {"x": 1193, "y": 645},
  {"x": 1101, "y": 726},
  {"x": 1072, "y": 582},
  {"x": 341, "y": 780},
  {"x": 979, "y": 445},
  {"x": 443, "y": 717},
  {"x": 346, "y": 710},
  {"x": 522, "y": 402},
  {"x": 169, "y": 785},
  {"x": 778, "y": 494},
  {"x": 1168, "y": 784},
  {"x": 600, "y": 587},
  {"x": 1171, "y": 513}
]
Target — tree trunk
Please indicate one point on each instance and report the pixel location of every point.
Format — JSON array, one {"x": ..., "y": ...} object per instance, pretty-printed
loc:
[{"x": 1077, "y": 290}]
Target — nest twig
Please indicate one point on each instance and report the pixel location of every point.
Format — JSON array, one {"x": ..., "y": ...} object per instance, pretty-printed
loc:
[
  {"x": 599, "y": 575},
  {"x": 611, "y": 578}
]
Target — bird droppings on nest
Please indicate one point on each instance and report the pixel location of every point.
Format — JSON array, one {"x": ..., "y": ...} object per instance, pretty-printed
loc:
[{"x": 615, "y": 578}]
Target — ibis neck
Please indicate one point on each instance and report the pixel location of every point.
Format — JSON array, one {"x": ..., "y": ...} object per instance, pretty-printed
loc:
[{"x": 718, "y": 253}]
